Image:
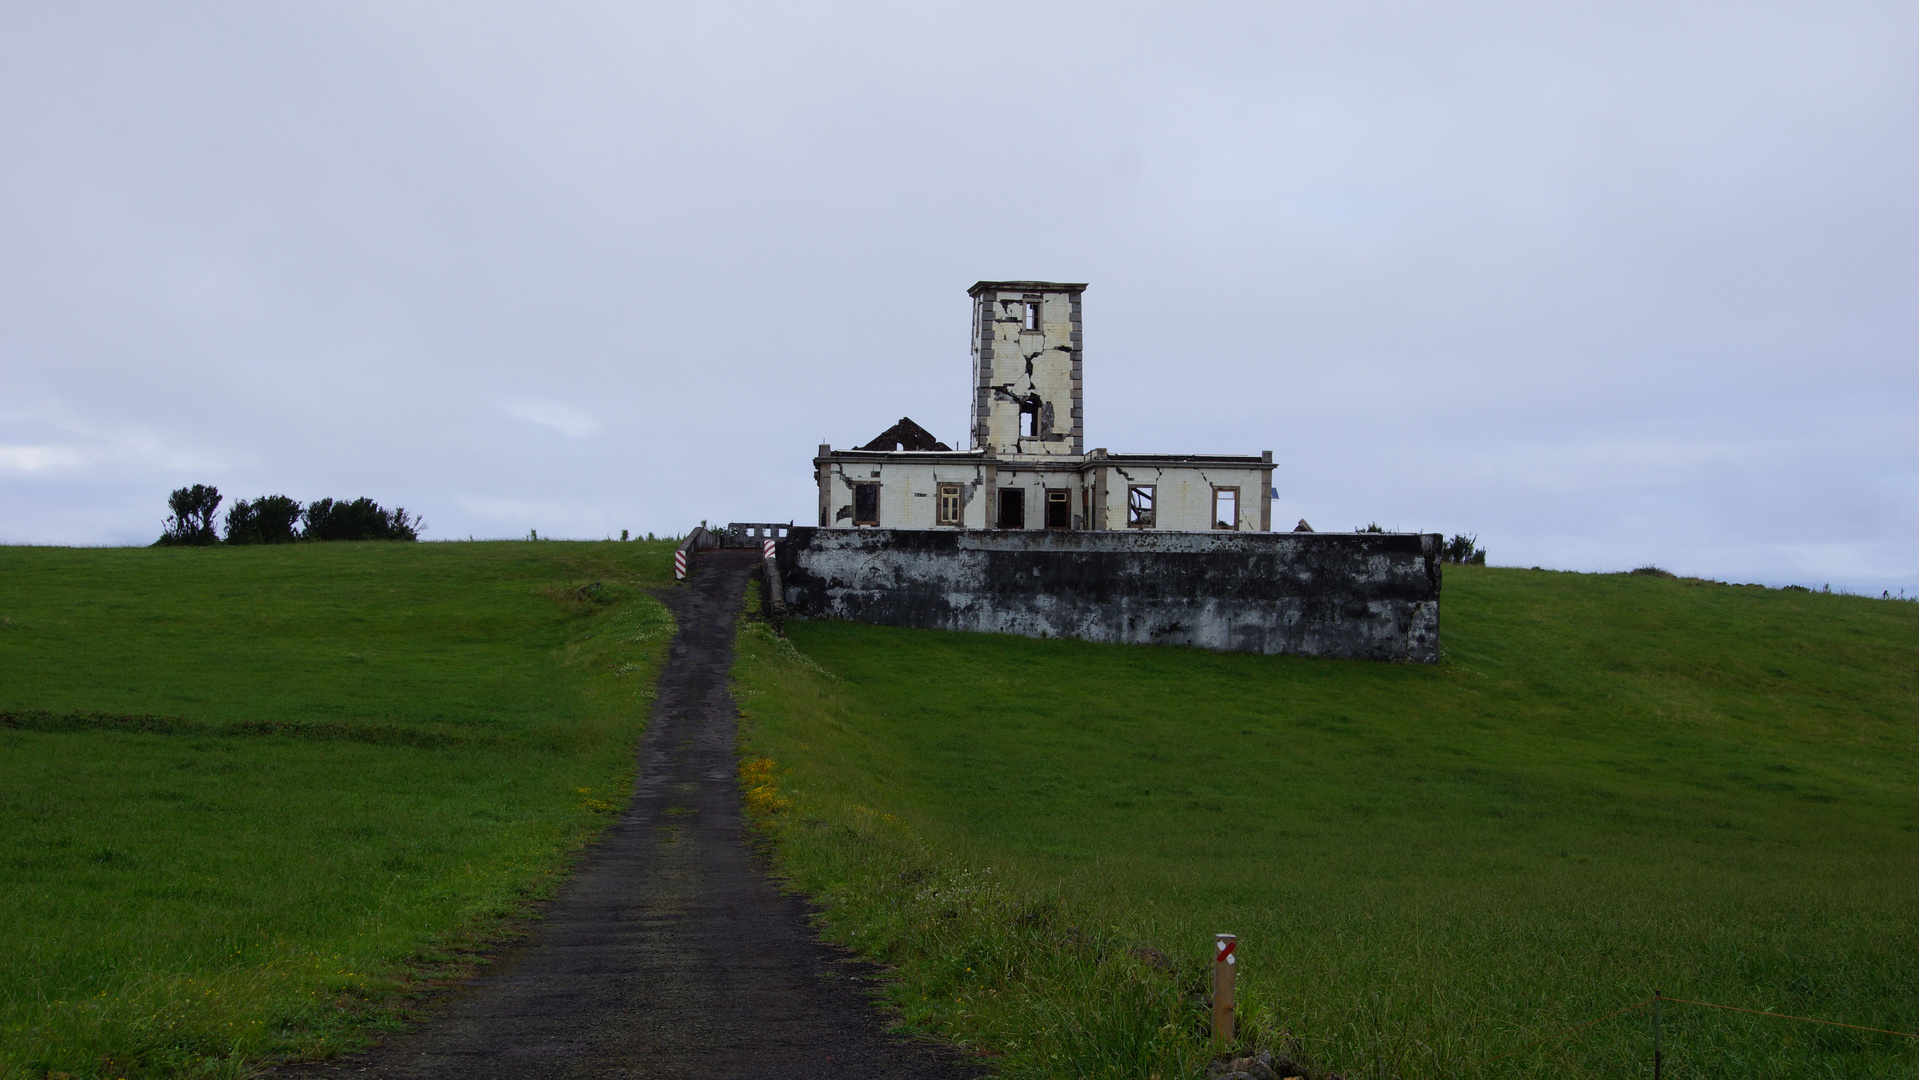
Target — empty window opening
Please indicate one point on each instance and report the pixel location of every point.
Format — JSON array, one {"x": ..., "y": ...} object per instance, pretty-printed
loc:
[
  {"x": 949, "y": 505},
  {"x": 1031, "y": 321},
  {"x": 1029, "y": 416},
  {"x": 1225, "y": 508},
  {"x": 866, "y": 504},
  {"x": 1012, "y": 508},
  {"x": 1139, "y": 506},
  {"x": 1059, "y": 509}
]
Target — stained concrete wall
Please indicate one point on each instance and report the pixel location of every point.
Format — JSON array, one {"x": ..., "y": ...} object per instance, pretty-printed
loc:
[{"x": 1315, "y": 594}]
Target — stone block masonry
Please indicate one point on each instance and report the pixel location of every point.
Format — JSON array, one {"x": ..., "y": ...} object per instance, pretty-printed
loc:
[{"x": 1371, "y": 595}]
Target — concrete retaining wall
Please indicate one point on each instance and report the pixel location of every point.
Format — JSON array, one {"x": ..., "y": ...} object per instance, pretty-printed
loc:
[{"x": 1315, "y": 594}]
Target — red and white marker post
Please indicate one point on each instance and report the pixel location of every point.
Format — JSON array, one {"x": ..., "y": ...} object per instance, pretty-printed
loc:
[
  {"x": 1225, "y": 964},
  {"x": 679, "y": 565},
  {"x": 766, "y": 545}
]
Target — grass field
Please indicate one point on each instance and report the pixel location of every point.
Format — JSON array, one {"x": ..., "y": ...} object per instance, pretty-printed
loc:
[
  {"x": 1613, "y": 784},
  {"x": 250, "y": 796}
]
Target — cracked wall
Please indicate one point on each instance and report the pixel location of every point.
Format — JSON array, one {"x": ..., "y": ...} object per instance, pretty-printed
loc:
[
  {"x": 1372, "y": 595},
  {"x": 1027, "y": 375}
]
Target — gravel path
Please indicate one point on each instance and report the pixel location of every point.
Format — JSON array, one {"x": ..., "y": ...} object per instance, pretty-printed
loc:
[{"x": 669, "y": 953}]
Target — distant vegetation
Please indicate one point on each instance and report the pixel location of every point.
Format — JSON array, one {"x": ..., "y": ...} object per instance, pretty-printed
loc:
[
  {"x": 277, "y": 519},
  {"x": 249, "y": 795},
  {"x": 1612, "y": 784}
]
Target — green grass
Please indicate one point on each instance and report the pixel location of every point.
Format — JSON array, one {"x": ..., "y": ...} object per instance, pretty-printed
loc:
[
  {"x": 1612, "y": 785},
  {"x": 252, "y": 797}
]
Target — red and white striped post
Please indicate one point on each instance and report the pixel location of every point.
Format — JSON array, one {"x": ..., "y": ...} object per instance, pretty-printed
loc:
[
  {"x": 1224, "y": 965},
  {"x": 766, "y": 546},
  {"x": 679, "y": 565}
]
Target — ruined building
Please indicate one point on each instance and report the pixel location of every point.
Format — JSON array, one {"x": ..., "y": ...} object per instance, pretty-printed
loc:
[
  {"x": 1027, "y": 467},
  {"x": 1024, "y": 532}
]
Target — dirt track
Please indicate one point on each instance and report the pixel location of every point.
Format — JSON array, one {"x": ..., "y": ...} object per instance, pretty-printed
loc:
[{"x": 669, "y": 953}]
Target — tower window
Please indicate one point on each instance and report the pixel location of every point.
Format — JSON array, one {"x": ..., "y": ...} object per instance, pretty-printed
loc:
[{"x": 1032, "y": 315}]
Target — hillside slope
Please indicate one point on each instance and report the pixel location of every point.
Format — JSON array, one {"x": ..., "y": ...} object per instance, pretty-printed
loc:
[
  {"x": 1612, "y": 785},
  {"x": 247, "y": 795}
]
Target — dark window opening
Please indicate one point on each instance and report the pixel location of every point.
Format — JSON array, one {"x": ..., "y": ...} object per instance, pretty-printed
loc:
[
  {"x": 1139, "y": 506},
  {"x": 1225, "y": 508},
  {"x": 1032, "y": 315},
  {"x": 1012, "y": 508},
  {"x": 866, "y": 504},
  {"x": 1059, "y": 509},
  {"x": 1029, "y": 411},
  {"x": 949, "y": 504}
]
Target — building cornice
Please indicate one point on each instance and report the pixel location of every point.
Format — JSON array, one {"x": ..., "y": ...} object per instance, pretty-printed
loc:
[{"x": 1026, "y": 286}]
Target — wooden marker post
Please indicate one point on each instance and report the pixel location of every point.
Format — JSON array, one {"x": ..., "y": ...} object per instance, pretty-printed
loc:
[
  {"x": 1224, "y": 966},
  {"x": 1658, "y": 1048}
]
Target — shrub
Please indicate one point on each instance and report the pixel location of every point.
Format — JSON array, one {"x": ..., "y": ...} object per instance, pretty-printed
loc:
[
  {"x": 1463, "y": 548},
  {"x": 192, "y": 520},
  {"x": 269, "y": 519},
  {"x": 361, "y": 519},
  {"x": 1649, "y": 570}
]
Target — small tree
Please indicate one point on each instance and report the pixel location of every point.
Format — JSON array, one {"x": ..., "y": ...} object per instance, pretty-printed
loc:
[
  {"x": 192, "y": 521},
  {"x": 1463, "y": 549},
  {"x": 269, "y": 519}
]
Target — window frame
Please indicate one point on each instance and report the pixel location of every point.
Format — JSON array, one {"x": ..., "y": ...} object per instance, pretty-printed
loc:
[
  {"x": 999, "y": 508},
  {"x": 947, "y": 492},
  {"x": 1217, "y": 490},
  {"x": 1135, "y": 518},
  {"x": 1061, "y": 497},
  {"x": 1032, "y": 317},
  {"x": 858, "y": 487}
]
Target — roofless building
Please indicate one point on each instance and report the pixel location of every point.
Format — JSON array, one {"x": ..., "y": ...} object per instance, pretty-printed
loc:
[{"x": 1026, "y": 466}]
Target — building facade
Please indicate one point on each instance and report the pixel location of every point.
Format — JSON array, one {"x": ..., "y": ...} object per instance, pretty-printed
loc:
[{"x": 1026, "y": 467}]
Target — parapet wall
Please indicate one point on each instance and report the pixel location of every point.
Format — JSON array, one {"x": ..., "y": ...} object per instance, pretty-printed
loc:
[{"x": 1314, "y": 594}]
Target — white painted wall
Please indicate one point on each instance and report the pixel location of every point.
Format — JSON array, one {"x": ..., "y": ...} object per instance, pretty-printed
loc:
[
  {"x": 1184, "y": 495},
  {"x": 909, "y": 491}
]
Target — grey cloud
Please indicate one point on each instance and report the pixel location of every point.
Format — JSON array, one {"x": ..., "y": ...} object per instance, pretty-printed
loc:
[{"x": 1603, "y": 283}]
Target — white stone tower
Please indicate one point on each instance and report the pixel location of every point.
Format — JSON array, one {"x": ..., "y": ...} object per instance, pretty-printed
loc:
[{"x": 1026, "y": 368}]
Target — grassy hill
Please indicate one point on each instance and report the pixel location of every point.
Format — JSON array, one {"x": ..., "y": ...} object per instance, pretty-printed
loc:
[
  {"x": 1612, "y": 785},
  {"x": 249, "y": 795}
]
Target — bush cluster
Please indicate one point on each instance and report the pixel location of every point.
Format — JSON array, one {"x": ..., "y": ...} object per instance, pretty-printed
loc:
[
  {"x": 361, "y": 519},
  {"x": 278, "y": 519},
  {"x": 269, "y": 519}
]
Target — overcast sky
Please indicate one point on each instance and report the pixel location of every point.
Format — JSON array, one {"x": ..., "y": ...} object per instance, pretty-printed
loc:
[{"x": 1605, "y": 284}]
